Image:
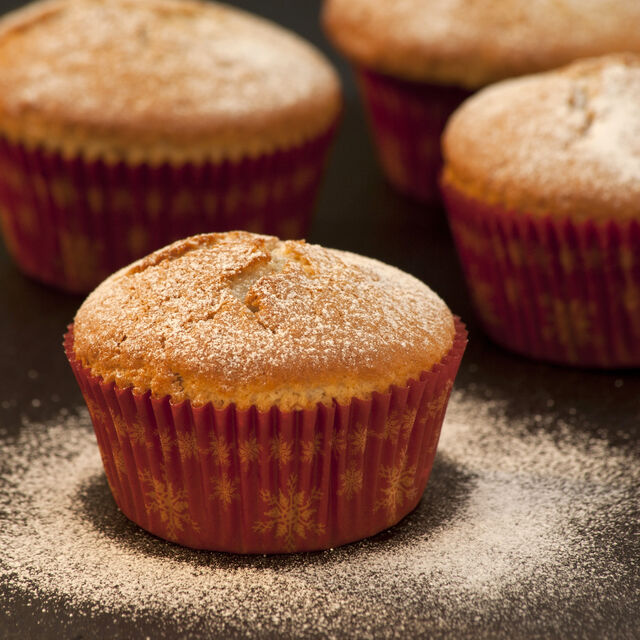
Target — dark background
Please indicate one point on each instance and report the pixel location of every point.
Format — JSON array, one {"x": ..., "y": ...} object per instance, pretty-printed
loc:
[{"x": 359, "y": 212}]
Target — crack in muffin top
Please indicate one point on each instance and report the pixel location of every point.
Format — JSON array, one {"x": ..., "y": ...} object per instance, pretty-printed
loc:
[
  {"x": 563, "y": 143},
  {"x": 251, "y": 320}
]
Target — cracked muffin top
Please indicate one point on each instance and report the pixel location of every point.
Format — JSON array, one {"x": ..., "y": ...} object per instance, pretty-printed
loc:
[
  {"x": 153, "y": 79},
  {"x": 564, "y": 143},
  {"x": 473, "y": 43},
  {"x": 251, "y": 320}
]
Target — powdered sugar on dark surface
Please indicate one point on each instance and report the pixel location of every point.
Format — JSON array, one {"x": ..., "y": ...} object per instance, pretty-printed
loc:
[{"x": 523, "y": 522}]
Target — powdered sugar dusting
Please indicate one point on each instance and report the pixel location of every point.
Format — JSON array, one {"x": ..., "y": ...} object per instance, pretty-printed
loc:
[
  {"x": 565, "y": 143},
  {"x": 249, "y": 319},
  {"x": 516, "y": 513},
  {"x": 472, "y": 43},
  {"x": 612, "y": 133},
  {"x": 180, "y": 74}
]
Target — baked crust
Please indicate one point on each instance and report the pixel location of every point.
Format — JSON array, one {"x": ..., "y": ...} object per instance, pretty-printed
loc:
[
  {"x": 471, "y": 43},
  {"x": 252, "y": 320},
  {"x": 564, "y": 143},
  {"x": 158, "y": 80}
]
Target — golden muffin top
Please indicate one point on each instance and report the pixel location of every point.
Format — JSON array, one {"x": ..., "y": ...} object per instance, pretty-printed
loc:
[
  {"x": 565, "y": 142},
  {"x": 159, "y": 79},
  {"x": 252, "y": 320},
  {"x": 472, "y": 43}
]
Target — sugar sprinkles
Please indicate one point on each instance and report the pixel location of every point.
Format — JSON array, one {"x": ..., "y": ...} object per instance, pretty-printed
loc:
[{"x": 517, "y": 514}]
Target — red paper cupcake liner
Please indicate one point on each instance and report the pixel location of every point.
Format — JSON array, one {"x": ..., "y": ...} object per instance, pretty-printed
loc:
[
  {"x": 72, "y": 222},
  {"x": 553, "y": 289},
  {"x": 407, "y": 120},
  {"x": 249, "y": 481}
]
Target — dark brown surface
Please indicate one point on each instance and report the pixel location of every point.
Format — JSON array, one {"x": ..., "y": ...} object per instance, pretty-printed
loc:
[{"x": 359, "y": 212}]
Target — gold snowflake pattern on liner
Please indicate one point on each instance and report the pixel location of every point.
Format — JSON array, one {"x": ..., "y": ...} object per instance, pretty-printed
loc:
[
  {"x": 311, "y": 448},
  {"x": 569, "y": 323},
  {"x": 483, "y": 295},
  {"x": 80, "y": 257},
  {"x": 224, "y": 490},
  {"x": 63, "y": 192},
  {"x": 410, "y": 414},
  {"x": 134, "y": 431},
  {"x": 232, "y": 199},
  {"x": 40, "y": 188},
  {"x": 469, "y": 239},
  {"x": 183, "y": 204},
  {"x": 290, "y": 514},
  {"x": 118, "y": 459},
  {"x": 121, "y": 200},
  {"x": 280, "y": 450},
  {"x": 433, "y": 441},
  {"x": 137, "y": 433},
  {"x": 515, "y": 252},
  {"x": 249, "y": 450},
  {"x": 153, "y": 203},
  {"x": 493, "y": 249},
  {"x": 400, "y": 488},
  {"x": 437, "y": 405},
  {"x": 187, "y": 445},
  {"x": 350, "y": 482},
  {"x": 210, "y": 202},
  {"x": 220, "y": 450},
  {"x": 303, "y": 178},
  {"x": 631, "y": 300},
  {"x": 137, "y": 240},
  {"x": 95, "y": 411},
  {"x": 566, "y": 257},
  {"x": 581, "y": 314},
  {"x": 119, "y": 424},
  {"x": 258, "y": 195},
  {"x": 358, "y": 439},
  {"x": 279, "y": 188},
  {"x": 167, "y": 443},
  {"x": 338, "y": 442},
  {"x": 397, "y": 424},
  {"x": 95, "y": 199},
  {"x": 627, "y": 258},
  {"x": 169, "y": 502}
]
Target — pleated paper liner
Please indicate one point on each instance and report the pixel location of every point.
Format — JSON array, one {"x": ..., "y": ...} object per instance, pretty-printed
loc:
[
  {"x": 250, "y": 481},
  {"x": 72, "y": 222},
  {"x": 552, "y": 289},
  {"x": 407, "y": 120}
]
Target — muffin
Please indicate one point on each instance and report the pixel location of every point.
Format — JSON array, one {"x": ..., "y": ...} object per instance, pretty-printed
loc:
[
  {"x": 255, "y": 395},
  {"x": 542, "y": 185},
  {"x": 417, "y": 60},
  {"x": 127, "y": 124}
]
